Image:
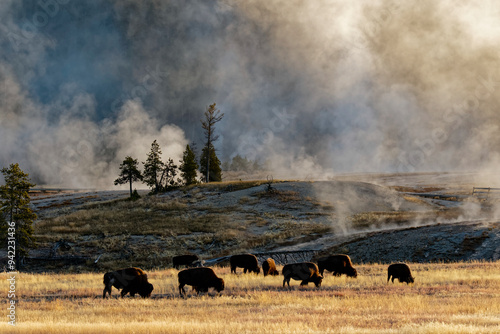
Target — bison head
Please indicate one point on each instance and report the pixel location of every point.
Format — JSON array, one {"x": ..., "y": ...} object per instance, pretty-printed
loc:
[
  {"x": 318, "y": 280},
  {"x": 146, "y": 290},
  {"x": 351, "y": 272},
  {"x": 220, "y": 285}
]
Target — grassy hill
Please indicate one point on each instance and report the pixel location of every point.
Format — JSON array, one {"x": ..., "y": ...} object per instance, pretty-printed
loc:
[{"x": 358, "y": 218}]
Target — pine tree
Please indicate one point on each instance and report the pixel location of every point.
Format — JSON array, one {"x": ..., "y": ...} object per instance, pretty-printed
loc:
[
  {"x": 168, "y": 176},
  {"x": 240, "y": 164},
  {"x": 153, "y": 168},
  {"x": 15, "y": 209},
  {"x": 215, "y": 172},
  {"x": 129, "y": 172},
  {"x": 212, "y": 116},
  {"x": 189, "y": 166}
]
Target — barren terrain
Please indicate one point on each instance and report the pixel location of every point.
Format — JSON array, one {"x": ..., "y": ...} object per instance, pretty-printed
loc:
[{"x": 373, "y": 218}]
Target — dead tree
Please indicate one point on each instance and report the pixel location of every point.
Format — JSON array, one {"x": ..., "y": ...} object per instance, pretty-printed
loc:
[
  {"x": 269, "y": 183},
  {"x": 62, "y": 244},
  {"x": 212, "y": 116}
]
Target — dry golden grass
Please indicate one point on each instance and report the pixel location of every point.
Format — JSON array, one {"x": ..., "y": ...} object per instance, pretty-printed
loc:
[{"x": 446, "y": 298}]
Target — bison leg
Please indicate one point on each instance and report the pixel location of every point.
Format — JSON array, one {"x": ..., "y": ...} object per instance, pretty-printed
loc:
[
  {"x": 182, "y": 292},
  {"x": 286, "y": 280},
  {"x": 304, "y": 282},
  {"x": 106, "y": 289},
  {"x": 244, "y": 270},
  {"x": 388, "y": 277},
  {"x": 124, "y": 292},
  {"x": 233, "y": 270}
]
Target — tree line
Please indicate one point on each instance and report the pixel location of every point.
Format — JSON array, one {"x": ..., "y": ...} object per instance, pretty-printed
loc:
[{"x": 162, "y": 175}]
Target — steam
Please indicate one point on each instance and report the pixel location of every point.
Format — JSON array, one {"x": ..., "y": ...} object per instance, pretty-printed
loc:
[{"x": 313, "y": 87}]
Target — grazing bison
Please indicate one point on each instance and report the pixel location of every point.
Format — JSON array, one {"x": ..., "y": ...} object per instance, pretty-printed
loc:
[
  {"x": 338, "y": 264},
  {"x": 401, "y": 271},
  {"x": 246, "y": 261},
  {"x": 132, "y": 280},
  {"x": 201, "y": 279},
  {"x": 269, "y": 267},
  {"x": 184, "y": 260},
  {"x": 305, "y": 272}
]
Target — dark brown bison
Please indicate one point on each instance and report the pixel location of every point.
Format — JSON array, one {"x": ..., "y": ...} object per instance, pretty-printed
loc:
[
  {"x": 305, "y": 272},
  {"x": 338, "y": 264},
  {"x": 132, "y": 280},
  {"x": 184, "y": 260},
  {"x": 246, "y": 261},
  {"x": 269, "y": 267},
  {"x": 201, "y": 279},
  {"x": 401, "y": 271}
]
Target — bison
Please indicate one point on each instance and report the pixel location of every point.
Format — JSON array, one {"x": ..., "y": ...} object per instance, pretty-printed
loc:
[
  {"x": 305, "y": 271},
  {"x": 184, "y": 260},
  {"x": 201, "y": 279},
  {"x": 401, "y": 271},
  {"x": 132, "y": 280},
  {"x": 269, "y": 267},
  {"x": 338, "y": 264},
  {"x": 246, "y": 261}
]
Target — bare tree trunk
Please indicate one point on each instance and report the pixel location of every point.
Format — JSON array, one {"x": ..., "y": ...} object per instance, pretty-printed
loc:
[
  {"x": 208, "y": 155},
  {"x": 130, "y": 182}
]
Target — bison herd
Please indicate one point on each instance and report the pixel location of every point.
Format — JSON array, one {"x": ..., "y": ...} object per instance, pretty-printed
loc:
[{"x": 135, "y": 281}]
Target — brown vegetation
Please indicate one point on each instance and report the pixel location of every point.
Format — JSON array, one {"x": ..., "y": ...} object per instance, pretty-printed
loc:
[{"x": 446, "y": 298}]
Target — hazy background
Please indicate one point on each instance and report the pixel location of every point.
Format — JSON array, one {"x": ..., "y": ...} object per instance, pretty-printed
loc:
[{"x": 313, "y": 87}]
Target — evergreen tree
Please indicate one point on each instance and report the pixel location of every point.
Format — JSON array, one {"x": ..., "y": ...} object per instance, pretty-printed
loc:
[
  {"x": 153, "y": 168},
  {"x": 240, "y": 164},
  {"x": 226, "y": 166},
  {"x": 168, "y": 176},
  {"x": 189, "y": 166},
  {"x": 215, "y": 172},
  {"x": 256, "y": 165},
  {"x": 212, "y": 116},
  {"x": 129, "y": 172},
  {"x": 15, "y": 210}
]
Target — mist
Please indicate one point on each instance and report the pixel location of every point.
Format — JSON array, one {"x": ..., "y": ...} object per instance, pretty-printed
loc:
[{"x": 313, "y": 88}]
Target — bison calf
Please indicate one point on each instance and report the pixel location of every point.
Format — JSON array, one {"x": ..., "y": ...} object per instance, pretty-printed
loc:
[
  {"x": 305, "y": 272},
  {"x": 338, "y": 264},
  {"x": 246, "y": 261},
  {"x": 269, "y": 267},
  {"x": 201, "y": 279},
  {"x": 132, "y": 280},
  {"x": 401, "y": 271}
]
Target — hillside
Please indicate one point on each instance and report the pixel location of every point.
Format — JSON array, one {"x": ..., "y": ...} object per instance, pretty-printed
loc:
[{"x": 371, "y": 218}]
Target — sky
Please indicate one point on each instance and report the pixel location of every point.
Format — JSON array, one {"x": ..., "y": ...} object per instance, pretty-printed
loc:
[{"x": 313, "y": 88}]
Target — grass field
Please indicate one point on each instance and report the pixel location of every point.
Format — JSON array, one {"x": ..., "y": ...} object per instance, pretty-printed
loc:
[{"x": 446, "y": 298}]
